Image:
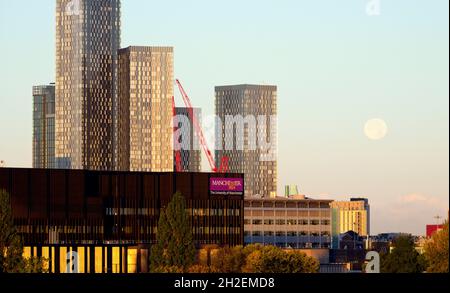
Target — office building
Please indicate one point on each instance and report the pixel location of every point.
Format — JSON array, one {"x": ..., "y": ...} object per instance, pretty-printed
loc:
[
  {"x": 87, "y": 40},
  {"x": 353, "y": 215},
  {"x": 296, "y": 222},
  {"x": 256, "y": 108},
  {"x": 145, "y": 114},
  {"x": 44, "y": 126},
  {"x": 188, "y": 143},
  {"x": 110, "y": 218}
]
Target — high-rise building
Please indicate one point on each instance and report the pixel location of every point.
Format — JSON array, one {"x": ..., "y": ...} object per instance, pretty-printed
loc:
[
  {"x": 353, "y": 215},
  {"x": 145, "y": 125},
  {"x": 87, "y": 40},
  {"x": 44, "y": 126},
  {"x": 247, "y": 113},
  {"x": 190, "y": 153}
]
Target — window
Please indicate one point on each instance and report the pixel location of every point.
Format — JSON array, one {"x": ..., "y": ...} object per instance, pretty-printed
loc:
[
  {"x": 291, "y": 233},
  {"x": 292, "y": 222},
  {"x": 280, "y": 222},
  {"x": 326, "y": 222},
  {"x": 257, "y": 222},
  {"x": 268, "y": 222},
  {"x": 303, "y": 222},
  {"x": 315, "y": 222}
]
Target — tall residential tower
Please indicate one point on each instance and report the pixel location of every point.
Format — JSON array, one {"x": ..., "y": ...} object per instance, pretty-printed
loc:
[
  {"x": 190, "y": 156},
  {"x": 44, "y": 126},
  {"x": 145, "y": 124},
  {"x": 248, "y": 122},
  {"x": 87, "y": 40}
]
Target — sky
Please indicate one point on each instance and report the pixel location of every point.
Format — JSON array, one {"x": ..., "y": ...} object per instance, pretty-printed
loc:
[{"x": 336, "y": 67}]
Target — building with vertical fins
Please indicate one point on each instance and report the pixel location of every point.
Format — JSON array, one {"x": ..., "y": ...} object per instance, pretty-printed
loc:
[
  {"x": 353, "y": 215},
  {"x": 87, "y": 40},
  {"x": 110, "y": 218},
  {"x": 191, "y": 155},
  {"x": 44, "y": 126},
  {"x": 145, "y": 114},
  {"x": 255, "y": 104}
]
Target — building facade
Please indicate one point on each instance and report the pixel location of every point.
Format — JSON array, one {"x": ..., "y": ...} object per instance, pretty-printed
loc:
[
  {"x": 295, "y": 222},
  {"x": 87, "y": 40},
  {"x": 256, "y": 108},
  {"x": 353, "y": 215},
  {"x": 110, "y": 218},
  {"x": 44, "y": 126},
  {"x": 188, "y": 144},
  {"x": 145, "y": 115}
]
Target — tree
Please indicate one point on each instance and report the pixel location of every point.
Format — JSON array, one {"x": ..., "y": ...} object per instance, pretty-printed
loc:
[
  {"x": 11, "y": 248},
  {"x": 175, "y": 247},
  {"x": 404, "y": 258},
  {"x": 436, "y": 251},
  {"x": 10, "y": 243},
  {"x": 229, "y": 259},
  {"x": 271, "y": 259}
]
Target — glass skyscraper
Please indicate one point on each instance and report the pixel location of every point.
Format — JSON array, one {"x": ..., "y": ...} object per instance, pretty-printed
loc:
[
  {"x": 257, "y": 104},
  {"x": 44, "y": 126},
  {"x": 145, "y": 124},
  {"x": 190, "y": 156},
  {"x": 87, "y": 40}
]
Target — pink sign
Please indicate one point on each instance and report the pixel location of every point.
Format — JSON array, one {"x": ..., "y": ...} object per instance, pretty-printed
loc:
[{"x": 227, "y": 185}]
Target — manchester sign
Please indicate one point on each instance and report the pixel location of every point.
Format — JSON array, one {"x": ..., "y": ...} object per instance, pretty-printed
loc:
[{"x": 226, "y": 186}]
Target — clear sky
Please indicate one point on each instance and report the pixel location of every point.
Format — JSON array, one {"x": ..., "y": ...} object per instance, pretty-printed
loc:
[{"x": 335, "y": 67}]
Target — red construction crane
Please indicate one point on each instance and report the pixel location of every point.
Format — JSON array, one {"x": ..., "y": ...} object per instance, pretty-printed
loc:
[{"x": 199, "y": 131}]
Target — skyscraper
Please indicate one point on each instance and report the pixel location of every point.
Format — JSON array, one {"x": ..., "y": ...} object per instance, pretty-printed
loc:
[
  {"x": 145, "y": 126},
  {"x": 87, "y": 40},
  {"x": 190, "y": 156},
  {"x": 248, "y": 122},
  {"x": 44, "y": 126}
]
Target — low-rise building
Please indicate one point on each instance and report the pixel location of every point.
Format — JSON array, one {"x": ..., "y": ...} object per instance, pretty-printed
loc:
[
  {"x": 109, "y": 219},
  {"x": 353, "y": 215},
  {"x": 294, "y": 222}
]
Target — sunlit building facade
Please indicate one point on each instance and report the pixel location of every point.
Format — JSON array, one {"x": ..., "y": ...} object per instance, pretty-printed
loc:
[
  {"x": 44, "y": 126},
  {"x": 87, "y": 40},
  {"x": 145, "y": 114},
  {"x": 188, "y": 142},
  {"x": 296, "y": 222},
  {"x": 258, "y": 165},
  {"x": 353, "y": 215},
  {"x": 110, "y": 218}
]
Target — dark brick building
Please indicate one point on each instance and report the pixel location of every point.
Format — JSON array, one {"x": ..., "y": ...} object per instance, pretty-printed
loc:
[{"x": 109, "y": 218}]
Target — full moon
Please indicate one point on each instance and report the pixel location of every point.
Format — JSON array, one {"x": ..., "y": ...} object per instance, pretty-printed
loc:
[{"x": 376, "y": 129}]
